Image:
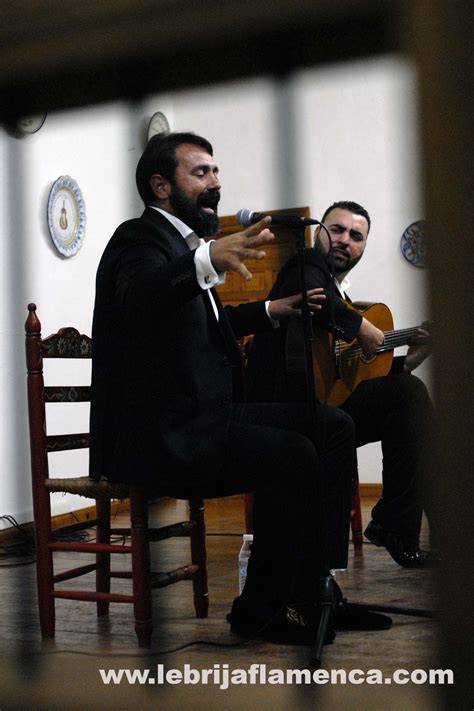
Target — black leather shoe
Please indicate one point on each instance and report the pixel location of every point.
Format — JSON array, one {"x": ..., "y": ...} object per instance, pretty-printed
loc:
[
  {"x": 408, "y": 555},
  {"x": 292, "y": 624},
  {"x": 246, "y": 618},
  {"x": 297, "y": 624}
]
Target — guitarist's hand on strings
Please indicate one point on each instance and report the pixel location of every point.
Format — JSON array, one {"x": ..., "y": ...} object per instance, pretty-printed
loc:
[
  {"x": 419, "y": 349},
  {"x": 369, "y": 337}
]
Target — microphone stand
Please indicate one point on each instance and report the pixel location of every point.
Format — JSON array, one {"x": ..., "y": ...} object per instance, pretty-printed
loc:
[
  {"x": 326, "y": 588},
  {"x": 326, "y": 594}
]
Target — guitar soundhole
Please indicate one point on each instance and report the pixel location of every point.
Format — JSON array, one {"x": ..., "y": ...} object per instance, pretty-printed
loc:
[{"x": 367, "y": 360}]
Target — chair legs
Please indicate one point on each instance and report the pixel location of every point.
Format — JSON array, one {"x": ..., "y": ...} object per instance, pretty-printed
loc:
[
  {"x": 356, "y": 517},
  {"x": 44, "y": 563},
  {"x": 140, "y": 553},
  {"x": 198, "y": 557},
  {"x": 103, "y": 559},
  {"x": 45, "y": 600},
  {"x": 142, "y": 604}
]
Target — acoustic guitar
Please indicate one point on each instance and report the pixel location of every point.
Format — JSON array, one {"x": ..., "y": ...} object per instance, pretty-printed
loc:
[{"x": 339, "y": 369}]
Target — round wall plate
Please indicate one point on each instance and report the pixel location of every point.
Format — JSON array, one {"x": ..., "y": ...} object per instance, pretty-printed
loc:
[
  {"x": 30, "y": 124},
  {"x": 158, "y": 124},
  {"x": 66, "y": 216},
  {"x": 413, "y": 243}
]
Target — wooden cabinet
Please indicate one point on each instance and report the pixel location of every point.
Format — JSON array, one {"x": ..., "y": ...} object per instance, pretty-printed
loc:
[{"x": 236, "y": 290}]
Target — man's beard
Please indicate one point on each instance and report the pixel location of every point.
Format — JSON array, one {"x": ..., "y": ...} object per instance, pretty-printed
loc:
[
  {"x": 203, "y": 223},
  {"x": 340, "y": 266}
]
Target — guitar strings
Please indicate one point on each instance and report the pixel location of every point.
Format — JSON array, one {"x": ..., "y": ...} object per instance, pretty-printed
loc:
[{"x": 346, "y": 351}]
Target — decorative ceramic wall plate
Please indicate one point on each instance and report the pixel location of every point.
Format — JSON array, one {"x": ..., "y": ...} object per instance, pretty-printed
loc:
[
  {"x": 30, "y": 124},
  {"x": 66, "y": 216},
  {"x": 413, "y": 243},
  {"x": 158, "y": 124}
]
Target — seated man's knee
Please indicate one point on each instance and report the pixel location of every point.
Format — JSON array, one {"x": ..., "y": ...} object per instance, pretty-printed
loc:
[
  {"x": 339, "y": 426},
  {"x": 412, "y": 389}
]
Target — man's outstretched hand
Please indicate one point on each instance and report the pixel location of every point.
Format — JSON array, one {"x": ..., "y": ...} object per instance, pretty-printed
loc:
[{"x": 228, "y": 253}]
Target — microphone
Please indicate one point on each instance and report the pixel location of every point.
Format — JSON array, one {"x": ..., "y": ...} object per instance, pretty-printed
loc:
[{"x": 246, "y": 217}]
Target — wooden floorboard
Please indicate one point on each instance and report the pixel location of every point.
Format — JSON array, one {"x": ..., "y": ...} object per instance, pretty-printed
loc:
[{"x": 63, "y": 674}]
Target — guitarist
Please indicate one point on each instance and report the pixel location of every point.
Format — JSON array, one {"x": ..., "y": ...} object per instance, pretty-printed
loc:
[{"x": 394, "y": 409}]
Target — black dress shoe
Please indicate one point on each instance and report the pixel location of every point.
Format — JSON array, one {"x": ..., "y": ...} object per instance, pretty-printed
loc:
[
  {"x": 291, "y": 624},
  {"x": 298, "y": 623},
  {"x": 248, "y": 618},
  {"x": 408, "y": 555}
]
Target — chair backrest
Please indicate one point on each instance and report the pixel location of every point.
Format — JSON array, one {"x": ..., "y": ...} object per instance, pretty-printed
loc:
[{"x": 66, "y": 343}]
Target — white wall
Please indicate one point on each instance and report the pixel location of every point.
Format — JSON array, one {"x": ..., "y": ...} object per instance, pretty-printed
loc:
[
  {"x": 359, "y": 142},
  {"x": 342, "y": 132}
]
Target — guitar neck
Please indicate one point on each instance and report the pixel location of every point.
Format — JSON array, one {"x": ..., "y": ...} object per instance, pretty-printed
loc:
[{"x": 393, "y": 339}]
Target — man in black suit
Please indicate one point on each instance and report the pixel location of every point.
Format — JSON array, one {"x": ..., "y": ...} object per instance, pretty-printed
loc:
[
  {"x": 167, "y": 390},
  {"x": 395, "y": 409}
]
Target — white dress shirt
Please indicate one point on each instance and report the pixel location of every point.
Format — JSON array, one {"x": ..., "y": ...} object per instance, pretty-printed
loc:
[
  {"x": 343, "y": 286},
  {"x": 206, "y": 274}
]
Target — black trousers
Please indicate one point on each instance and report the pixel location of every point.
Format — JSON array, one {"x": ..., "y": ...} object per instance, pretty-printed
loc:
[
  {"x": 300, "y": 475},
  {"x": 397, "y": 411},
  {"x": 301, "y": 478}
]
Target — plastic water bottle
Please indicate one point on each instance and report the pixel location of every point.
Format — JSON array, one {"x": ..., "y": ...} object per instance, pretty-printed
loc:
[{"x": 244, "y": 556}]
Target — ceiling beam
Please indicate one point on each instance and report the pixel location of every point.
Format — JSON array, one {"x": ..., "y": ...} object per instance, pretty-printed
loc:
[{"x": 55, "y": 54}]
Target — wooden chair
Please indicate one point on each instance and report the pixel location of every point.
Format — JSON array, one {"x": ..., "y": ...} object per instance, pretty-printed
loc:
[
  {"x": 69, "y": 343},
  {"x": 356, "y": 517}
]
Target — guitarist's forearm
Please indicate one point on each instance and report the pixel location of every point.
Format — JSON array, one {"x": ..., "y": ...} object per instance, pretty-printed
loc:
[
  {"x": 347, "y": 321},
  {"x": 370, "y": 337}
]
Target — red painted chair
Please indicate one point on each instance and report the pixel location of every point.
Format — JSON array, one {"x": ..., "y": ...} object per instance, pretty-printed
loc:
[
  {"x": 69, "y": 343},
  {"x": 356, "y": 517}
]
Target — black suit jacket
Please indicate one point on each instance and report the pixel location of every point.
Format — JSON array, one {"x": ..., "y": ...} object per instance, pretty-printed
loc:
[
  {"x": 276, "y": 362},
  {"x": 164, "y": 370}
]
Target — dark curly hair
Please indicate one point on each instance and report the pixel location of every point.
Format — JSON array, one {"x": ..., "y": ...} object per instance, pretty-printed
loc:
[
  {"x": 353, "y": 207},
  {"x": 160, "y": 157}
]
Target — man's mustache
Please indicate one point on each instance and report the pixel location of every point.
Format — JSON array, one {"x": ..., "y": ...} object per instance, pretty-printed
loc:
[{"x": 208, "y": 200}]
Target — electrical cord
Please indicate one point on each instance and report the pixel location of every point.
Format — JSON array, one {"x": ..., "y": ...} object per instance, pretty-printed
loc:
[
  {"x": 204, "y": 642},
  {"x": 208, "y": 643},
  {"x": 20, "y": 551}
]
